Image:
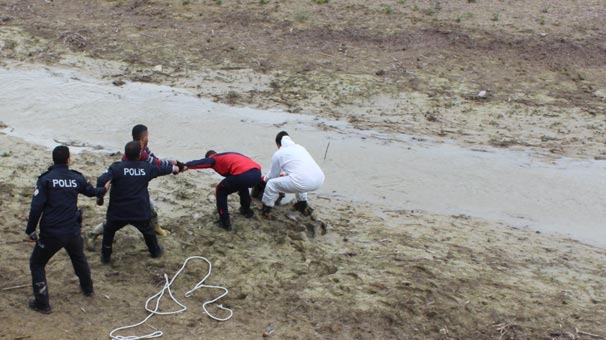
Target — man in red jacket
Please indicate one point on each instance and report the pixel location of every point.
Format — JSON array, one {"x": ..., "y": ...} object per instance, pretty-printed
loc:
[{"x": 241, "y": 173}]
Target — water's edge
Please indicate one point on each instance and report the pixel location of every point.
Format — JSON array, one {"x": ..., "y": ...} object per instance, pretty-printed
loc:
[{"x": 49, "y": 106}]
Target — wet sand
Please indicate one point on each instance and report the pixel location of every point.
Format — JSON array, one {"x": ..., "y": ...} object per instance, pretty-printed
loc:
[{"x": 378, "y": 273}]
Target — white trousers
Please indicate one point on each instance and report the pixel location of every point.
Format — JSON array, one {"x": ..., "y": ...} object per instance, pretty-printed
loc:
[{"x": 285, "y": 184}]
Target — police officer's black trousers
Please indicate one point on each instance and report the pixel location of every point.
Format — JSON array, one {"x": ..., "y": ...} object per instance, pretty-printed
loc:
[
  {"x": 239, "y": 183},
  {"x": 144, "y": 227},
  {"x": 43, "y": 251}
]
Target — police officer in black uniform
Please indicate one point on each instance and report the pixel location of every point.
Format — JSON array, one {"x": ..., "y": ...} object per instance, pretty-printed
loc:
[
  {"x": 129, "y": 198},
  {"x": 56, "y": 199}
]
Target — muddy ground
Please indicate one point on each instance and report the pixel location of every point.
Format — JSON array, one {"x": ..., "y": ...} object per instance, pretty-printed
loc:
[
  {"x": 376, "y": 273},
  {"x": 415, "y": 67}
]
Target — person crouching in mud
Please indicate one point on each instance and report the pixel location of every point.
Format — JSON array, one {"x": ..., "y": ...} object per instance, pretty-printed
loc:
[
  {"x": 301, "y": 175},
  {"x": 240, "y": 172}
]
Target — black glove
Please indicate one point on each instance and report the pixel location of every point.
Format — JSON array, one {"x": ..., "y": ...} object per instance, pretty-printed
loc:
[
  {"x": 33, "y": 236},
  {"x": 180, "y": 165}
]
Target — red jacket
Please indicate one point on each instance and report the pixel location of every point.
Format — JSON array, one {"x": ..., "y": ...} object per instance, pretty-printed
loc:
[{"x": 225, "y": 164}]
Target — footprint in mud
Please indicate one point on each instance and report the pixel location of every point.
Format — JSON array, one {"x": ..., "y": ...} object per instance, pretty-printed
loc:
[
  {"x": 311, "y": 225},
  {"x": 318, "y": 227},
  {"x": 322, "y": 268}
]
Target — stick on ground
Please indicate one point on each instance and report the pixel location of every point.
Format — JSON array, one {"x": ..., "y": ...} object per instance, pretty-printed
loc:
[{"x": 15, "y": 287}]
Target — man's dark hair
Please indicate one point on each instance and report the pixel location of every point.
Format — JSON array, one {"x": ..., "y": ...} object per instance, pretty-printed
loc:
[
  {"x": 60, "y": 154},
  {"x": 210, "y": 153},
  {"x": 279, "y": 137},
  {"x": 132, "y": 150},
  {"x": 138, "y": 131}
]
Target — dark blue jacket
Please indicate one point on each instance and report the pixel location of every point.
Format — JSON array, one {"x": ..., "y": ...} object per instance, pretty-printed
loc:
[
  {"x": 56, "y": 200},
  {"x": 128, "y": 197}
]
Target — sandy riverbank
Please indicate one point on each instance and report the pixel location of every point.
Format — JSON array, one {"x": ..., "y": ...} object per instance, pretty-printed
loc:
[
  {"x": 415, "y": 67},
  {"x": 377, "y": 274}
]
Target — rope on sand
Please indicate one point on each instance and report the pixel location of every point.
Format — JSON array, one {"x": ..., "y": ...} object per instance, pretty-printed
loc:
[{"x": 158, "y": 296}]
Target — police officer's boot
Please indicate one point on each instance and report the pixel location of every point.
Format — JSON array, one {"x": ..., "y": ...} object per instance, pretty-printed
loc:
[
  {"x": 39, "y": 308},
  {"x": 40, "y": 302},
  {"x": 106, "y": 254},
  {"x": 158, "y": 253},
  {"x": 303, "y": 208},
  {"x": 88, "y": 292}
]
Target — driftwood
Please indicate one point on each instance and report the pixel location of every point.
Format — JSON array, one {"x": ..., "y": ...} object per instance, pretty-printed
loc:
[
  {"x": 590, "y": 335},
  {"x": 14, "y": 242},
  {"x": 15, "y": 287}
]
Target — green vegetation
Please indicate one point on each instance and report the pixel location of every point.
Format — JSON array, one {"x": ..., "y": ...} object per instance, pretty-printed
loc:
[
  {"x": 464, "y": 16},
  {"x": 301, "y": 17}
]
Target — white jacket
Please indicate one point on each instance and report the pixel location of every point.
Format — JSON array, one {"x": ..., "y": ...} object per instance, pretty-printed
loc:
[{"x": 294, "y": 160}]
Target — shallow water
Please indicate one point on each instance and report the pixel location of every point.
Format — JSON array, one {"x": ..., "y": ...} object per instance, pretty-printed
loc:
[{"x": 49, "y": 105}]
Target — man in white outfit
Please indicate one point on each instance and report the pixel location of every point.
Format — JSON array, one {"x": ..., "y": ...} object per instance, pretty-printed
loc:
[{"x": 292, "y": 170}]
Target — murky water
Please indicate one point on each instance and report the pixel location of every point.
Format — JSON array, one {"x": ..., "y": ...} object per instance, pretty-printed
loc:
[{"x": 47, "y": 106}]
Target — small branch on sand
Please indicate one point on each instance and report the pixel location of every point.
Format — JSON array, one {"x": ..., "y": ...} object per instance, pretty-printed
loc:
[
  {"x": 15, "y": 287},
  {"x": 566, "y": 334},
  {"x": 388, "y": 254},
  {"x": 504, "y": 328},
  {"x": 602, "y": 337},
  {"x": 326, "y": 152},
  {"x": 22, "y": 337},
  {"x": 13, "y": 242},
  {"x": 186, "y": 243}
]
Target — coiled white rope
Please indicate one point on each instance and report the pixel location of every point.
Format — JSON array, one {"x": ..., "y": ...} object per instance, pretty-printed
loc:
[{"x": 158, "y": 296}]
